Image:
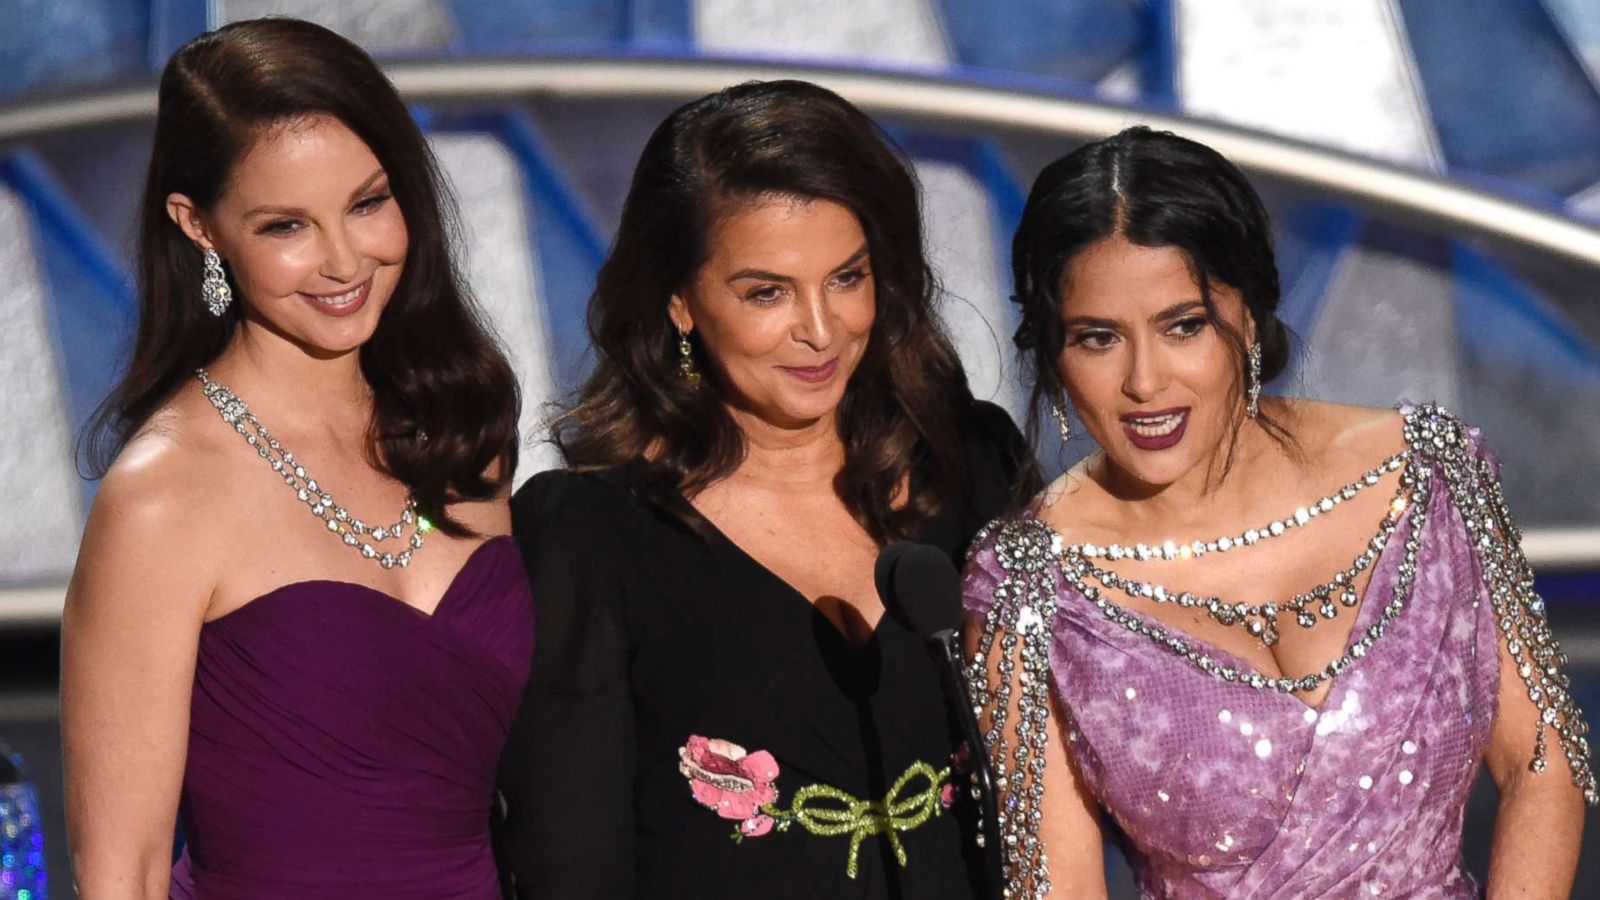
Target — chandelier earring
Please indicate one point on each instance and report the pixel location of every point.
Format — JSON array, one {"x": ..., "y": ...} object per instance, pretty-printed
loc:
[
  {"x": 1058, "y": 408},
  {"x": 214, "y": 289},
  {"x": 686, "y": 369},
  {"x": 1252, "y": 381}
]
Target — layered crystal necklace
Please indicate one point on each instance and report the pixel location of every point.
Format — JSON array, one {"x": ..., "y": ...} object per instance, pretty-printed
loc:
[
  {"x": 1260, "y": 620},
  {"x": 354, "y": 532}
]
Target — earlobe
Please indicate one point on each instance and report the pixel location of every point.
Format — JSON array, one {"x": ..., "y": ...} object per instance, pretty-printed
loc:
[
  {"x": 678, "y": 312},
  {"x": 183, "y": 213}
]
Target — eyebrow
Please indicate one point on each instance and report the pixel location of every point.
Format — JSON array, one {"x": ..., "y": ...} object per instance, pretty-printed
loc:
[
  {"x": 293, "y": 211},
  {"x": 764, "y": 275},
  {"x": 1171, "y": 312}
]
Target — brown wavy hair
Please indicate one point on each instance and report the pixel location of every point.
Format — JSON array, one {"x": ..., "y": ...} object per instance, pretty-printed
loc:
[
  {"x": 903, "y": 410},
  {"x": 444, "y": 398}
]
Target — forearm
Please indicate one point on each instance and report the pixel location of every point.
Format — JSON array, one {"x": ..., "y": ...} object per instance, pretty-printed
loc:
[{"x": 1537, "y": 832}]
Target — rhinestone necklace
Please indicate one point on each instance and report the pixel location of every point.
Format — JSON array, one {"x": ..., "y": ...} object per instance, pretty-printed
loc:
[
  {"x": 355, "y": 533},
  {"x": 1261, "y": 619},
  {"x": 1183, "y": 646},
  {"x": 1169, "y": 550}
]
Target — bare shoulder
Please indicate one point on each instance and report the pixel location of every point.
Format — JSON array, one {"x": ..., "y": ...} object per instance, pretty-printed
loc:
[
  {"x": 1071, "y": 499},
  {"x": 1342, "y": 434},
  {"x": 157, "y": 508}
]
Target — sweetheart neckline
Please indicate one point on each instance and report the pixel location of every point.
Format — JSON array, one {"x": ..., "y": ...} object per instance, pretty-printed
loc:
[{"x": 438, "y": 606}]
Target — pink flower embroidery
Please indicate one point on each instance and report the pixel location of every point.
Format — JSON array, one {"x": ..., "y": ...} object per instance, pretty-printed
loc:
[
  {"x": 755, "y": 826},
  {"x": 947, "y": 795},
  {"x": 724, "y": 777}
]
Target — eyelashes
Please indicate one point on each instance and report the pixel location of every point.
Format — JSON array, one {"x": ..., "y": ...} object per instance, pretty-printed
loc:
[
  {"x": 848, "y": 280},
  {"x": 1183, "y": 329},
  {"x": 365, "y": 206}
]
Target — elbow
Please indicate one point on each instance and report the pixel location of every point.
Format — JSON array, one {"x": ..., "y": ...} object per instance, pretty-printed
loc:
[{"x": 143, "y": 875}]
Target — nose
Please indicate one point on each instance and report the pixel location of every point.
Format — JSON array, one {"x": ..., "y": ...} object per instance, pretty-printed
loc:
[
  {"x": 814, "y": 325},
  {"x": 1145, "y": 375},
  {"x": 340, "y": 262}
]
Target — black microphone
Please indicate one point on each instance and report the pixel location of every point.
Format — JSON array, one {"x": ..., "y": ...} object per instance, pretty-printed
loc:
[{"x": 919, "y": 586}]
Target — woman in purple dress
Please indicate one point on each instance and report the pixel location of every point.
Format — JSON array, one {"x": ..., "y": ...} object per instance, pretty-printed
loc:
[
  {"x": 319, "y": 697},
  {"x": 1266, "y": 642}
]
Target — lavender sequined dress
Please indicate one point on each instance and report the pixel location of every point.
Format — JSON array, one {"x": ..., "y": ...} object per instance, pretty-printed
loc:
[
  {"x": 343, "y": 744},
  {"x": 1225, "y": 790}
]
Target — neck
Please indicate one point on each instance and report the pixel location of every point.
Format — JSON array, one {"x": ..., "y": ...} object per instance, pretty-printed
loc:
[
  {"x": 1213, "y": 487},
  {"x": 289, "y": 386},
  {"x": 790, "y": 458}
]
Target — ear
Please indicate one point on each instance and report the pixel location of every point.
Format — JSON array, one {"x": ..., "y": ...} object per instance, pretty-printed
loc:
[
  {"x": 186, "y": 216},
  {"x": 678, "y": 312}
]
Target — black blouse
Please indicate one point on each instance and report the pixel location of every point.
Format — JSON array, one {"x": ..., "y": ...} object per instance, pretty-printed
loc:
[{"x": 648, "y": 633}]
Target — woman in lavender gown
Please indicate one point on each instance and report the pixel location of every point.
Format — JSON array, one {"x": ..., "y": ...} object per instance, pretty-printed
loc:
[
  {"x": 321, "y": 700},
  {"x": 1267, "y": 642}
]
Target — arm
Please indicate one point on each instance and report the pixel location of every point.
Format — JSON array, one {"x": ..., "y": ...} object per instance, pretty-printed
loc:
[
  {"x": 129, "y": 635},
  {"x": 1069, "y": 828},
  {"x": 1009, "y": 622},
  {"x": 566, "y": 775},
  {"x": 1539, "y": 824}
]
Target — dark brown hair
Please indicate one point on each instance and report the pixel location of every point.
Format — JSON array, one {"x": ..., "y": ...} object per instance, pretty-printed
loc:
[
  {"x": 431, "y": 363},
  {"x": 1157, "y": 190},
  {"x": 903, "y": 409}
]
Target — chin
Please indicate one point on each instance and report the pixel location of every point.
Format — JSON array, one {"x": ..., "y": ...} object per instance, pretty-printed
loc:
[
  {"x": 804, "y": 410},
  {"x": 1155, "y": 469}
]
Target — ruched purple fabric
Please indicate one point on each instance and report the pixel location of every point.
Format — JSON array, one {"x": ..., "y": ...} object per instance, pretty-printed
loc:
[
  {"x": 1223, "y": 790},
  {"x": 344, "y": 744}
]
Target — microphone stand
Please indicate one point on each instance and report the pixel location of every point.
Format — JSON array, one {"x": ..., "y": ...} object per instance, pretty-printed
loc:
[{"x": 945, "y": 645}]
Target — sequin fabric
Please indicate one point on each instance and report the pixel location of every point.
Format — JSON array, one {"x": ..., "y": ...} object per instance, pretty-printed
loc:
[{"x": 1222, "y": 789}]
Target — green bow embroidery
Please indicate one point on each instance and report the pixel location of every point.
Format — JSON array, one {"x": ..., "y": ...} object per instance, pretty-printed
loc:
[{"x": 814, "y": 811}]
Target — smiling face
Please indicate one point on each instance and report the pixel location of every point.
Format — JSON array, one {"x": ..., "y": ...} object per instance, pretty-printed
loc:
[
  {"x": 1151, "y": 376},
  {"x": 783, "y": 307},
  {"x": 310, "y": 233}
]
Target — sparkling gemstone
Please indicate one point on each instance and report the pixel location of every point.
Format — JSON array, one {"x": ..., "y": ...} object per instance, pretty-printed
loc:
[
  {"x": 368, "y": 552},
  {"x": 380, "y": 533}
]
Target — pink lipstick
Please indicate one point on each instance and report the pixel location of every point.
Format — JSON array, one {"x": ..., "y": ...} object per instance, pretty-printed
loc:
[
  {"x": 343, "y": 304},
  {"x": 813, "y": 374}
]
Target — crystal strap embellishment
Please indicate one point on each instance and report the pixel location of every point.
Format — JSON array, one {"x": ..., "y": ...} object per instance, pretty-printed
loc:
[
  {"x": 1519, "y": 610},
  {"x": 355, "y": 533}
]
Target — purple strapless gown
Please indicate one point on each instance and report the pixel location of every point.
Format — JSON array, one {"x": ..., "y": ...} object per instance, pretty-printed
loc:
[
  {"x": 344, "y": 744},
  {"x": 1223, "y": 790}
]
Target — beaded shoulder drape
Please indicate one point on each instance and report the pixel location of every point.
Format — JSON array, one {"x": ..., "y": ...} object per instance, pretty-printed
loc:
[{"x": 1221, "y": 779}]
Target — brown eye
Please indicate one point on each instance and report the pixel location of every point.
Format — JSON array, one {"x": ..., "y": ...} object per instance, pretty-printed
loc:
[
  {"x": 373, "y": 202},
  {"x": 1189, "y": 327},
  {"x": 280, "y": 227},
  {"x": 1094, "y": 340},
  {"x": 850, "y": 278},
  {"x": 768, "y": 294}
]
